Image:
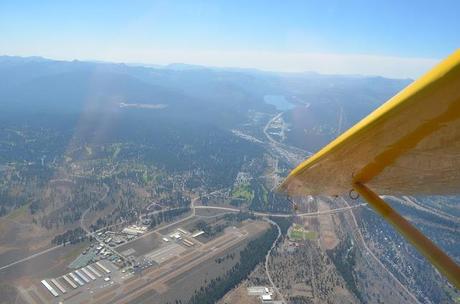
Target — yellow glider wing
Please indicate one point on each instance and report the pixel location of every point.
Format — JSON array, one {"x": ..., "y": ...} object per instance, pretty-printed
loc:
[{"x": 409, "y": 145}]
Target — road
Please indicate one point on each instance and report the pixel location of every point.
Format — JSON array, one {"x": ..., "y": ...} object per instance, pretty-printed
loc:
[
  {"x": 305, "y": 214},
  {"x": 82, "y": 217},
  {"x": 412, "y": 202},
  {"x": 292, "y": 154},
  {"x": 51, "y": 249},
  {"x": 267, "y": 259},
  {"x": 268, "y": 126},
  {"x": 31, "y": 257},
  {"x": 228, "y": 209},
  {"x": 158, "y": 229},
  {"x": 100, "y": 241},
  {"x": 363, "y": 242},
  {"x": 193, "y": 207},
  {"x": 94, "y": 234},
  {"x": 88, "y": 233}
]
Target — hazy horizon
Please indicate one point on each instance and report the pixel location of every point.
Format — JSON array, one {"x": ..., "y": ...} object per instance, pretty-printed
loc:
[
  {"x": 332, "y": 38},
  {"x": 428, "y": 63},
  {"x": 203, "y": 152}
]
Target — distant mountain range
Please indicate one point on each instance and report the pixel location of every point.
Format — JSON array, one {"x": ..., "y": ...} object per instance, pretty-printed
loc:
[{"x": 219, "y": 96}]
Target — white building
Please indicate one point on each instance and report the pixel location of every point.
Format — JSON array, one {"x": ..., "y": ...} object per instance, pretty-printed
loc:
[
  {"x": 134, "y": 230},
  {"x": 266, "y": 298},
  {"x": 258, "y": 290}
]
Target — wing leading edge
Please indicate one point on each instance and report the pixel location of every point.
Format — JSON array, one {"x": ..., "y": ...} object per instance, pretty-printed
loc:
[{"x": 409, "y": 145}]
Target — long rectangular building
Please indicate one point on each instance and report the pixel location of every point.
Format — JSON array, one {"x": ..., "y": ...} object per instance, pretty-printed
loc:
[
  {"x": 89, "y": 274},
  {"x": 197, "y": 233},
  {"x": 182, "y": 230},
  {"x": 69, "y": 281},
  {"x": 94, "y": 271},
  {"x": 79, "y": 282},
  {"x": 81, "y": 275},
  {"x": 50, "y": 289},
  {"x": 102, "y": 267},
  {"x": 58, "y": 285},
  {"x": 188, "y": 242}
]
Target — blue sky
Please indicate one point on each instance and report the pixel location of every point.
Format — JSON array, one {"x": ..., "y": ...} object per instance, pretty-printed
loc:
[{"x": 391, "y": 38}]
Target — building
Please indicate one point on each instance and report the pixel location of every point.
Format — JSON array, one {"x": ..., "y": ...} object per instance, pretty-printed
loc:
[
  {"x": 175, "y": 236},
  {"x": 182, "y": 231},
  {"x": 197, "y": 233},
  {"x": 134, "y": 230},
  {"x": 258, "y": 290},
  {"x": 265, "y": 294},
  {"x": 266, "y": 298}
]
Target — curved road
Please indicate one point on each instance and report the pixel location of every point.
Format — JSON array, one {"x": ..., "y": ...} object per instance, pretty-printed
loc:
[
  {"x": 193, "y": 207},
  {"x": 267, "y": 258}
]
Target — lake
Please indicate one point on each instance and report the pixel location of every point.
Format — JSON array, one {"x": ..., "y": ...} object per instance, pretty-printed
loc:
[{"x": 279, "y": 101}]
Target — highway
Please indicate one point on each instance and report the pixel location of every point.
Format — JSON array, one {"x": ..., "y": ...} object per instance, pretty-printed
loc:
[
  {"x": 281, "y": 149},
  {"x": 306, "y": 214},
  {"x": 193, "y": 207},
  {"x": 363, "y": 242}
]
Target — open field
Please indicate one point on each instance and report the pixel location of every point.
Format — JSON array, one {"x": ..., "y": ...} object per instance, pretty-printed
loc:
[
  {"x": 209, "y": 213},
  {"x": 328, "y": 236},
  {"x": 20, "y": 238},
  {"x": 142, "y": 246},
  {"x": 302, "y": 235},
  {"x": 239, "y": 296},
  {"x": 50, "y": 264},
  {"x": 201, "y": 266},
  {"x": 88, "y": 283},
  {"x": 298, "y": 233},
  {"x": 169, "y": 229},
  {"x": 164, "y": 272}
]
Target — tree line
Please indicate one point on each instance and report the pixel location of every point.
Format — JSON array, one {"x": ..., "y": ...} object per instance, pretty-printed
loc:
[
  {"x": 253, "y": 254},
  {"x": 167, "y": 216},
  {"x": 70, "y": 236}
]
